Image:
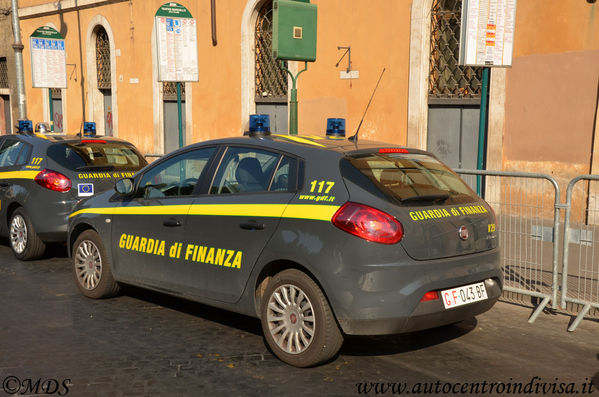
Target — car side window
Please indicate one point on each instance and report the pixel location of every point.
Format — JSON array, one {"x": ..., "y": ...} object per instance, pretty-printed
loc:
[
  {"x": 177, "y": 176},
  {"x": 284, "y": 179},
  {"x": 24, "y": 155},
  {"x": 9, "y": 152},
  {"x": 244, "y": 170}
]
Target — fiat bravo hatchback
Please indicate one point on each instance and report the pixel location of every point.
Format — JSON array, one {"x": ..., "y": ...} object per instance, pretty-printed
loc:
[
  {"x": 43, "y": 176},
  {"x": 317, "y": 237}
]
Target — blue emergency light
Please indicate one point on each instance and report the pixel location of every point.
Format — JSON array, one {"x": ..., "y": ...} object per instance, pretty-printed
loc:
[
  {"x": 335, "y": 127},
  {"x": 89, "y": 128},
  {"x": 25, "y": 126},
  {"x": 259, "y": 124}
]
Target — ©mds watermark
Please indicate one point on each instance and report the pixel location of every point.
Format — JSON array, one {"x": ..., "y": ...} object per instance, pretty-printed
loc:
[{"x": 28, "y": 386}]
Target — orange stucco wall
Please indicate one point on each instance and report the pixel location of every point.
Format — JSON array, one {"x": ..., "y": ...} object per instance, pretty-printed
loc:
[
  {"x": 378, "y": 35},
  {"x": 552, "y": 88}
]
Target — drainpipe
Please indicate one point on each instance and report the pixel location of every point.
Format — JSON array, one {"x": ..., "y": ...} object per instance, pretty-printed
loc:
[{"x": 18, "y": 47}]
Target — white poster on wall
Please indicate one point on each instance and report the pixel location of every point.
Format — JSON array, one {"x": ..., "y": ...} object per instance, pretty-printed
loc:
[
  {"x": 48, "y": 59},
  {"x": 487, "y": 32},
  {"x": 177, "y": 47}
]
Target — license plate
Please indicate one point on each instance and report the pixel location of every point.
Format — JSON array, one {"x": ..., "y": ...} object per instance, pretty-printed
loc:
[{"x": 464, "y": 295}]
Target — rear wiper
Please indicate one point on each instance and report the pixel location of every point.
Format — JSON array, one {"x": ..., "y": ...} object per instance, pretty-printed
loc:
[
  {"x": 426, "y": 197},
  {"x": 96, "y": 168}
]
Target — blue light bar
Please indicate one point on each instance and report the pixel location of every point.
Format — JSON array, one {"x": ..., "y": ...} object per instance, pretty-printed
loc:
[
  {"x": 89, "y": 128},
  {"x": 259, "y": 124},
  {"x": 25, "y": 126},
  {"x": 335, "y": 127}
]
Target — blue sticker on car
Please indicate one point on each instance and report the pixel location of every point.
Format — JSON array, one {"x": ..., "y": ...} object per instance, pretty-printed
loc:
[{"x": 85, "y": 189}]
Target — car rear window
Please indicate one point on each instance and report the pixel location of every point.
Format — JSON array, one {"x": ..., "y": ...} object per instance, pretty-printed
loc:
[
  {"x": 407, "y": 178},
  {"x": 93, "y": 155}
]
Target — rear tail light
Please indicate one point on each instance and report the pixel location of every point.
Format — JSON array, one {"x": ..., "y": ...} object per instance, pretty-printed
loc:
[
  {"x": 430, "y": 296},
  {"x": 53, "y": 180},
  {"x": 368, "y": 223}
]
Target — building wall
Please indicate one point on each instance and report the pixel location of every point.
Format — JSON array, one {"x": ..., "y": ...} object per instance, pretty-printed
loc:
[
  {"x": 551, "y": 89},
  {"x": 543, "y": 109},
  {"x": 217, "y": 100}
]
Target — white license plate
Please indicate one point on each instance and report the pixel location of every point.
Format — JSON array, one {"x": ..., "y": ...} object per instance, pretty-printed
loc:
[{"x": 463, "y": 295}]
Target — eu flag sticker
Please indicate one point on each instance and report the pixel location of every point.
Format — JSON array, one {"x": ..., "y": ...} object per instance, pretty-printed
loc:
[{"x": 85, "y": 189}]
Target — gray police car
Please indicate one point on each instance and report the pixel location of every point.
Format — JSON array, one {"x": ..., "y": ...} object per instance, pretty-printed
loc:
[
  {"x": 43, "y": 176},
  {"x": 316, "y": 236}
]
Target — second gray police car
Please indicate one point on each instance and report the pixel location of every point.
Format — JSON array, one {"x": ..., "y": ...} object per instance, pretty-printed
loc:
[
  {"x": 42, "y": 176},
  {"x": 316, "y": 236}
]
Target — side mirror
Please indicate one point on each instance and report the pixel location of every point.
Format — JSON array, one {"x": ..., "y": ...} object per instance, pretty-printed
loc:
[{"x": 124, "y": 186}]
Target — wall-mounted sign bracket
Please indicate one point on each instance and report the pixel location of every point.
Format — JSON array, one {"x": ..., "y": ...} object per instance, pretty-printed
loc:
[{"x": 348, "y": 53}]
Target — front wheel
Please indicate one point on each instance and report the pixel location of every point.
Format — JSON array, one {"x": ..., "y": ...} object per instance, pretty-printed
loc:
[
  {"x": 24, "y": 241},
  {"x": 91, "y": 267},
  {"x": 297, "y": 321}
]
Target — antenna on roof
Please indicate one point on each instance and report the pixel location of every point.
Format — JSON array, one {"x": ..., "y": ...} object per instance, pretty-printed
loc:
[{"x": 354, "y": 138}]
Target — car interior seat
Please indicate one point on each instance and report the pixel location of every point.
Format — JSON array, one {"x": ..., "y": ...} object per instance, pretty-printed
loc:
[{"x": 249, "y": 175}]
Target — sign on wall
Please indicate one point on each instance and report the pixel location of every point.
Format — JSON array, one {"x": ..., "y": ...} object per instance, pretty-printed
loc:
[
  {"x": 487, "y": 32},
  {"x": 48, "y": 58},
  {"x": 176, "y": 41}
]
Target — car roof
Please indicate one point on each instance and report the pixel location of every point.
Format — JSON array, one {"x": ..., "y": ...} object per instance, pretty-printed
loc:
[
  {"x": 66, "y": 138},
  {"x": 305, "y": 143}
]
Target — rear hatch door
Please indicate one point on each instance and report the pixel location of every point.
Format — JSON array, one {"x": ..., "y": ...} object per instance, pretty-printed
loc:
[
  {"x": 94, "y": 165},
  {"x": 441, "y": 216}
]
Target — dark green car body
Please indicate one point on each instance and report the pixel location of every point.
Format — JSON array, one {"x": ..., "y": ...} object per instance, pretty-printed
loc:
[
  {"x": 195, "y": 225},
  {"x": 44, "y": 176}
]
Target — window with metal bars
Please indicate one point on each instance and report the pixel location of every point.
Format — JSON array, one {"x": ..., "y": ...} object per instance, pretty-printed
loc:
[
  {"x": 103, "y": 59},
  {"x": 448, "y": 79},
  {"x": 56, "y": 93},
  {"x": 270, "y": 79},
  {"x": 3, "y": 73},
  {"x": 169, "y": 91}
]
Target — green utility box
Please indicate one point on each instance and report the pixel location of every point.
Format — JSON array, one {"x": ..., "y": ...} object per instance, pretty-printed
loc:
[{"x": 294, "y": 30}]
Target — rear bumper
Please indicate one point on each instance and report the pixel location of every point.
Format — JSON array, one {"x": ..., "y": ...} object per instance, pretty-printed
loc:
[
  {"x": 385, "y": 297},
  {"x": 50, "y": 220},
  {"x": 426, "y": 315}
]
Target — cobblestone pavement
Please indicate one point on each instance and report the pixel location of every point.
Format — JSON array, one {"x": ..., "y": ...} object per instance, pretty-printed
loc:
[{"x": 147, "y": 344}]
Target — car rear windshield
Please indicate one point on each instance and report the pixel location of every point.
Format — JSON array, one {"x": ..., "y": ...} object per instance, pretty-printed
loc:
[
  {"x": 407, "y": 178},
  {"x": 96, "y": 155}
]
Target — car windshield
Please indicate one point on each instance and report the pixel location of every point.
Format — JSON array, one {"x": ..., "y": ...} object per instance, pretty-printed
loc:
[
  {"x": 96, "y": 155},
  {"x": 409, "y": 178}
]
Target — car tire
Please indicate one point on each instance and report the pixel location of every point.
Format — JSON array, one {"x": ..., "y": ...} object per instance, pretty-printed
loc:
[
  {"x": 92, "y": 268},
  {"x": 297, "y": 321},
  {"x": 24, "y": 241}
]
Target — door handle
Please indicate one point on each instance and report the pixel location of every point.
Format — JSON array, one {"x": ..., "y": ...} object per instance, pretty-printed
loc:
[
  {"x": 252, "y": 225},
  {"x": 171, "y": 222}
]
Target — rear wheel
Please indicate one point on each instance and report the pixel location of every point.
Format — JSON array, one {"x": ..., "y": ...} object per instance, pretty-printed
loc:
[
  {"x": 91, "y": 267},
  {"x": 24, "y": 241},
  {"x": 297, "y": 322}
]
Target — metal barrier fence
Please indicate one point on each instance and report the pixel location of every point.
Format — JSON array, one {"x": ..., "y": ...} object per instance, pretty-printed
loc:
[
  {"x": 580, "y": 285},
  {"x": 524, "y": 204}
]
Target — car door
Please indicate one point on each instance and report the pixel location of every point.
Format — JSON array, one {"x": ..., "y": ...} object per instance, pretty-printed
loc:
[
  {"x": 229, "y": 226},
  {"x": 13, "y": 156},
  {"x": 147, "y": 231}
]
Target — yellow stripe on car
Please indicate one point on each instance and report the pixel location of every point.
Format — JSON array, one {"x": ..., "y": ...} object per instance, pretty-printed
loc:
[
  {"x": 296, "y": 211},
  {"x": 18, "y": 174},
  {"x": 299, "y": 140}
]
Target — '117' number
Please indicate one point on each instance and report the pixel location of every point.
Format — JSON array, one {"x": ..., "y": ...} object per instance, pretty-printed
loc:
[{"x": 320, "y": 185}]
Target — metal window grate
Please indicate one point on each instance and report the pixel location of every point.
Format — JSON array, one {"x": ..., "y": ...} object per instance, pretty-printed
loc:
[
  {"x": 103, "y": 59},
  {"x": 271, "y": 80},
  {"x": 169, "y": 91},
  {"x": 448, "y": 79},
  {"x": 3, "y": 73}
]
